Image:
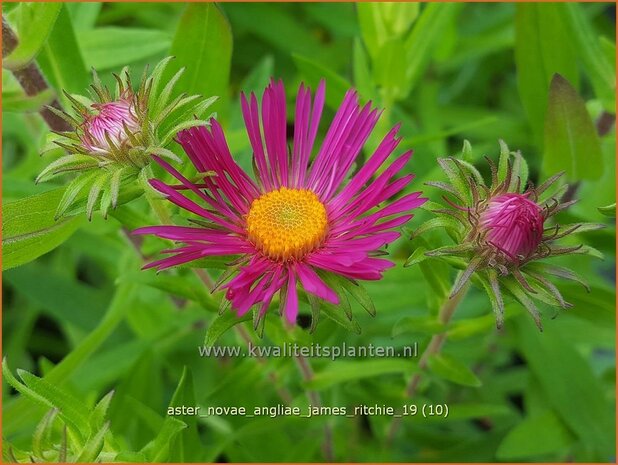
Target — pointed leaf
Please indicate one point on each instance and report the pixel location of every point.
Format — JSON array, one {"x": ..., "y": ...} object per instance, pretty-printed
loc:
[{"x": 571, "y": 140}]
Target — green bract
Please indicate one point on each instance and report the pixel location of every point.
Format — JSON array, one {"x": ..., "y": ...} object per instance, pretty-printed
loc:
[
  {"x": 523, "y": 276},
  {"x": 115, "y": 134}
]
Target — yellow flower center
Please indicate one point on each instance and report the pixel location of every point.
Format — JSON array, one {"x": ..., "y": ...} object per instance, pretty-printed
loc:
[{"x": 287, "y": 223}]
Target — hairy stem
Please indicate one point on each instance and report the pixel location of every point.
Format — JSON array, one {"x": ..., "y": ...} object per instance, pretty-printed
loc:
[
  {"x": 314, "y": 398},
  {"x": 435, "y": 345},
  {"x": 31, "y": 80}
]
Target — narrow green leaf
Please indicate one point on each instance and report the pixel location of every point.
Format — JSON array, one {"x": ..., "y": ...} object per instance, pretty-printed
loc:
[
  {"x": 609, "y": 210},
  {"x": 84, "y": 15},
  {"x": 114, "y": 47},
  {"x": 426, "y": 34},
  {"x": 93, "y": 446},
  {"x": 223, "y": 323},
  {"x": 380, "y": 22},
  {"x": 571, "y": 140},
  {"x": 42, "y": 433},
  {"x": 187, "y": 446},
  {"x": 452, "y": 370},
  {"x": 601, "y": 68},
  {"x": 592, "y": 421},
  {"x": 61, "y": 59},
  {"x": 97, "y": 417},
  {"x": 361, "y": 72},
  {"x": 535, "y": 436},
  {"x": 538, "y": 27},
  {"x": 17, "y": 101},
  {"x": 346, "y": 371},
  {"x": 34, "y": 23},
  {"x": 158, "y": 449},
  {"x": 22, "y": 410},
  {"x": 29, "y": 229},
  {"x": 203, "y": 45}
]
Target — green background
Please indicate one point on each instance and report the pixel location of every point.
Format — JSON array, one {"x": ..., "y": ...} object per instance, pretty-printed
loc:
[{"x": 86, "y": 320}]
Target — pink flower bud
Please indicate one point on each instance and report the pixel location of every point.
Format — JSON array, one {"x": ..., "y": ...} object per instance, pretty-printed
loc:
[
  {"x": 513, "y": 225},
  {"x": 111, "y": 120}
]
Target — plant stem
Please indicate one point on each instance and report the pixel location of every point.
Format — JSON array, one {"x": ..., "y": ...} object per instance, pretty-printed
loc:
[
  {"x": 314, "y": 397},
  {"x": 435, "y": 345},
  {"x": 31, "y": 80}
]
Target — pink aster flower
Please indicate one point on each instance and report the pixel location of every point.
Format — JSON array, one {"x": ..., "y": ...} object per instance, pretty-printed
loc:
[
  {"x": 300, "y": 219},
  {"x": 110, "y": 124},
  {"x": 513, "y": 225}
]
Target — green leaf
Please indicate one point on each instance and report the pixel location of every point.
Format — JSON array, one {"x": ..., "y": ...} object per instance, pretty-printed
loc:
[
  {"x": 600, "y": 68},
  {"x": 538, "y": 435},
  {"x": 37, "y": 389},
  {"x": 22, "y": 411},
  {"x": 426, "y": 34},
  {"x": 84, "y": 15},
  {"x": 159, "y": 448},
  {"x": 453, "y": 370},
  {"x": 203, "y": 45},
  {"x": 417, "y": 325},
  {"x": 19, "y": 102},
  {"x": 361, "y": 72},
  {"x": 61, "y": 59},
  {"x": 76, "y": 191},
  {"x": 93, "y": 446},
  {"x": 97, "y": 417},
  {"x": 187, "y": 445},
  {"x": 313, "y": 72},
  {"x": 34, "y": 23},
  {"x": 42, "y": 433},
  {"x": 114, "y": 47},
  {"x": 223, "y": 323},
  {"x": 29, "y": 229},
  {"x": 609, "y": 210},
  {"x": 538, "y": 28},
  {"x": 346, "y": 371},
  {"x": 188, "y": 287},
  {"x": 571, "y": 140},
  {"x": 571, "y": 388},
  {"x": 60, "y": 297},
  {"x": 380, "y": 22},
  {"x": 390, "y": 70}
]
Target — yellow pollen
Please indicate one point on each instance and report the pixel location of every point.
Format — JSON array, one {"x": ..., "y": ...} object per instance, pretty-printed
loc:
[{"x": 287, "y": 223}]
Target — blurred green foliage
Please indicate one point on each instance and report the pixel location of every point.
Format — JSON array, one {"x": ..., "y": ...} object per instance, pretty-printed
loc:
[{"x": 98, "y": 349}]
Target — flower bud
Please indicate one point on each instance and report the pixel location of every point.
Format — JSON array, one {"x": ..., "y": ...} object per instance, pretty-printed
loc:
[
  {"x": 513, "y": 224},
  {"x": 109, "y": 124},
  {"x": 503, "y": 231},
  {"x": 115, "y": 135}
]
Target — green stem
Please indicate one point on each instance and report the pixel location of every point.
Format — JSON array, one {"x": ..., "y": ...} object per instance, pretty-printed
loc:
[
  {"x": 435, "y": 345},
  {"x": 316, "y": 401}
]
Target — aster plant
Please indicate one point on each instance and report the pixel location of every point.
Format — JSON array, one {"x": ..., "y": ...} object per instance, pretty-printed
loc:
[
  {"x": 114, "y": 136},
  {"x": 504, "y": 232},
  {"x": 299, "y": 220}
]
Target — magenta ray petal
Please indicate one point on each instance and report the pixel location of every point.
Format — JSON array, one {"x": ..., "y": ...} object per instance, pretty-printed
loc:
[
  {"x": 386, "y": 147},
  {"x": 312, "y": 283},
  {"x": 218, "y": 205},
  {"x": 291, "y": 300},
  {"x": 189, "y": 205},
  {"x": 252, "y": 123}
]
